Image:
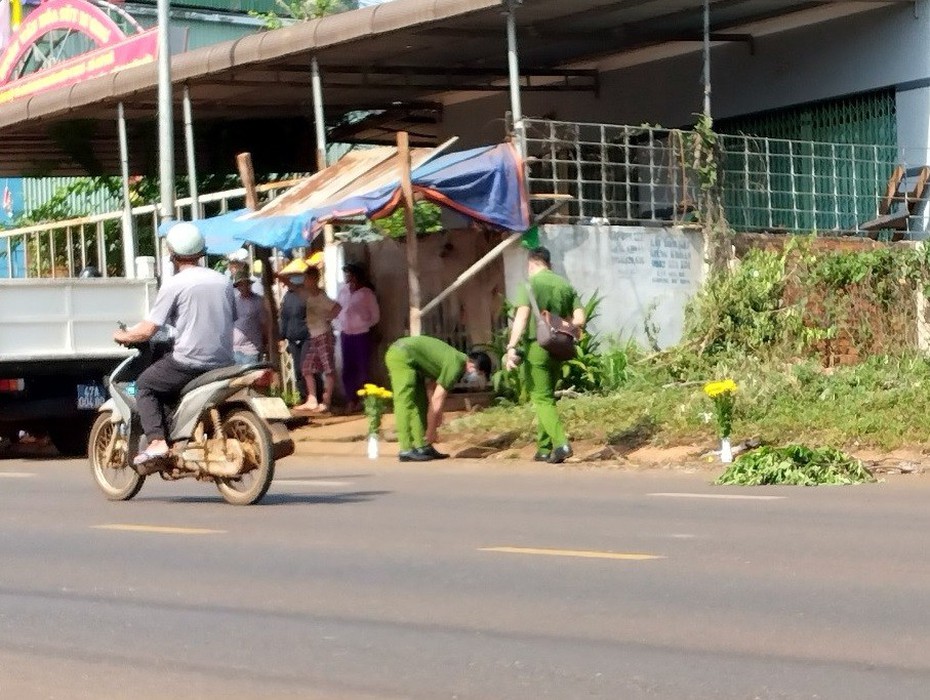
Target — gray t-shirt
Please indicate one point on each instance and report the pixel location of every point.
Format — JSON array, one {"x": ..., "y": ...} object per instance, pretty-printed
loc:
[{"x": 200, "y": 304}]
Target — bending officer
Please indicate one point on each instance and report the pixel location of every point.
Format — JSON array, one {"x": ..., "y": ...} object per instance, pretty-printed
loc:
[{"x": 411, "y": 363}]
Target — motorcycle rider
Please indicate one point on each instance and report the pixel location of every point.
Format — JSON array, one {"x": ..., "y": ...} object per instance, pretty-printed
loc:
[{"x": 200, "y": 304}]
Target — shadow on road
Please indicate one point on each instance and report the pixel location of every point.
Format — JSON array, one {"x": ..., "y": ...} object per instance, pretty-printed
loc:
[
  {"x": 327, "y": 477},
  {"x": 288, "y": 499},
  {"x": 32, "y": 453}
]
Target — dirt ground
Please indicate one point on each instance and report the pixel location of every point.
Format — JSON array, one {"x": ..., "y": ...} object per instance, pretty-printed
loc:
[{"x": 345, "y": 436}]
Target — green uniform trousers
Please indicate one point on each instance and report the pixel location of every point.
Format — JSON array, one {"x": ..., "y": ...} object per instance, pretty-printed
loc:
[
  {"x": 541, "y": 373},
  {"x": 410, "y": 400}
]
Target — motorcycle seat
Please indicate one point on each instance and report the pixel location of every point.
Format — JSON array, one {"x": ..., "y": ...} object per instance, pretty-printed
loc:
[{"x": 218, "y": 375}]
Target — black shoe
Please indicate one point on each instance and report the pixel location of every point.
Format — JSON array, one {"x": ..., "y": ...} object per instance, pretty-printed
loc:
[
  {"x": 541, "y": 456},
  {"x": 414, "y": 455},
  {"x": 560, "y": 454},
  {"x": 432, "y": 452}
]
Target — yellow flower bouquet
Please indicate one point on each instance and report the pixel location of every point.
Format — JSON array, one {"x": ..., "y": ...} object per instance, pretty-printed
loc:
[
  {"x": 723, "y": 395},
  {"x": 375, "y": 400}
]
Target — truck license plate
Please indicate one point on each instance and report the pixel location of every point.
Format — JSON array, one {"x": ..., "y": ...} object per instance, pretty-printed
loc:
[{"x": 89, "y": 397}]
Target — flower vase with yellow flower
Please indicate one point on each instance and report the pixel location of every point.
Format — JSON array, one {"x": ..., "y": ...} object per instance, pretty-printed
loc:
[
  {"x": 723, "y": 395},
  {"x": 374, "y": 402}
]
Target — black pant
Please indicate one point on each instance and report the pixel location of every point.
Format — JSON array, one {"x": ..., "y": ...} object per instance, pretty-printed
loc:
[
  {"x": 157, "y": 389},
  {"x": 296, "y": 349}
]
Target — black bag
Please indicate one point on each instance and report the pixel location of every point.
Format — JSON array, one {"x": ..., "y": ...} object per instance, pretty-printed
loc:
[{"x": 553, "y": 333}]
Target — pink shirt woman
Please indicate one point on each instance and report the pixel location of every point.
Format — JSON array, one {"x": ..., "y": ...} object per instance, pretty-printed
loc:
[{"x": 358, "y": 315}]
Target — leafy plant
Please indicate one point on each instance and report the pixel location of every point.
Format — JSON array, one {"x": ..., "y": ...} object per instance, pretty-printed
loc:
[
  {"x": 796, "y": 465},
  {"x": 743, "y": 309},
  {"x": 585, "y": 371},
  {"x": 426, "y": 216},
  {"x": 509, "y": 386},
  {"x": 302, "y": 11},
  {"x": 617, "y": 366}
]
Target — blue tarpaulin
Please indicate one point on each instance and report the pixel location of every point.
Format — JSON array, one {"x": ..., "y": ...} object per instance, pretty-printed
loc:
[
  {"x": 485, "y": 184},
  {"x": 226, "y": 232}
]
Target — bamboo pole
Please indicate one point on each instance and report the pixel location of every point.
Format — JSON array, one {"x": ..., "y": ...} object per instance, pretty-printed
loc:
[
  {"x": 247, "y": 175},
  {"x": 413, "y": 265}
]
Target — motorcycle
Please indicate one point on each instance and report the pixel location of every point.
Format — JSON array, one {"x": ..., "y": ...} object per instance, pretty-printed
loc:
[{"x": 222, "y": 430}]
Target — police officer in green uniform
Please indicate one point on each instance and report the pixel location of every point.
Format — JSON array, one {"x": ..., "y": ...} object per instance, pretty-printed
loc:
[
  {"x": 411, "y": 363},
  {"x": 554, "y": 294}
]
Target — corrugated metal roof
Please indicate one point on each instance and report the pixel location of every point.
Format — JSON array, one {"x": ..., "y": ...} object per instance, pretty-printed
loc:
[
  {"x": 356, "y": 173},
  {"x": 422, "y": 48}
]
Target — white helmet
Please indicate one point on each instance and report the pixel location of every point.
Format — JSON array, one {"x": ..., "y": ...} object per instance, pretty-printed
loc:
[{"x": 185, "y": 241}]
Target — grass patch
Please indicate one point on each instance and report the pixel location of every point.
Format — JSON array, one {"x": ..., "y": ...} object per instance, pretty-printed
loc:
[
  {"x": 772, "y": 323},
  {"x": 882, "y": 403}
]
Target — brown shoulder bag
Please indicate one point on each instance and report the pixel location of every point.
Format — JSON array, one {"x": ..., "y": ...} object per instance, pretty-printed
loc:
[{"x": 554, "y": 334}]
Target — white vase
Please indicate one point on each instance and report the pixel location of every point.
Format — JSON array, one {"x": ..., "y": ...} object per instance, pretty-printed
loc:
[
  {"x": 372, "y": 446},
  {"x": 726, "y": 452}
]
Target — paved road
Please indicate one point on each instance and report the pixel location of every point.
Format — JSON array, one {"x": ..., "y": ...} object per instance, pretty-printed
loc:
[{"x": 462, "y": 581}]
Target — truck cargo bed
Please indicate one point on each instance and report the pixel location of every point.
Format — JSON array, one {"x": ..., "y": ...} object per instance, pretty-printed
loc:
[{"x": 49, "y": 319}]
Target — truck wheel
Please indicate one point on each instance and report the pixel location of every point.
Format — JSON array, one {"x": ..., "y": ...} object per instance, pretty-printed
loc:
[
  {"x": 116, "y": 478},
  {"x": 70, "y": 438},
  {"x": 249, "y": 487}
]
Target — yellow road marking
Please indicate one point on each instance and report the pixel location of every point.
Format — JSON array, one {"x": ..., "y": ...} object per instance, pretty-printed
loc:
[
  {"x": 579, "y": 553},
  {"x": 160, "y": 530}
]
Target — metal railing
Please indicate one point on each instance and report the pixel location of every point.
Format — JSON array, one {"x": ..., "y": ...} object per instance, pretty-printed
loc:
[
  {"x": 64, "y": 248},
  {"x": 636, "y": 175}
]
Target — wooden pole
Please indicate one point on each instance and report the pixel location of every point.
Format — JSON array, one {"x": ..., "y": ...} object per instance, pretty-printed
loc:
[
  {"x": 413, "y": 265},
  {"x": 247, "y": 175}
]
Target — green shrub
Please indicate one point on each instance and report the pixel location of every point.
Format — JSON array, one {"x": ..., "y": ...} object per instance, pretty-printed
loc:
[{"x": 795, "y": 465}]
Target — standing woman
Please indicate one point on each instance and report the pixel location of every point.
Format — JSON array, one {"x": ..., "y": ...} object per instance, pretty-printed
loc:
[
  {"x": 319, "y": 351},
  {"x": 293, "y": 321},
  {"x": 358, "y": 315}
]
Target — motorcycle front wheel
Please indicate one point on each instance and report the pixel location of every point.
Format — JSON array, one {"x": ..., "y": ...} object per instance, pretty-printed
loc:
[
  {"x": 115, "y": 477},
  {"x": 250, "y": 486}
]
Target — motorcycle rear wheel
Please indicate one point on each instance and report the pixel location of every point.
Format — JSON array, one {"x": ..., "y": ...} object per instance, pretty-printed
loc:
[
  {"x": 117, "y": 479},
  {"x": 249, "y": 487}
]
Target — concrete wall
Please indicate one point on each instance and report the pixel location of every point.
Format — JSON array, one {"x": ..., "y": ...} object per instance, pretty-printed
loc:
[
  {"x": 645, "y": 275},
  {"x": 466, "y": 318},
  {"x": 882, "y": 48}
]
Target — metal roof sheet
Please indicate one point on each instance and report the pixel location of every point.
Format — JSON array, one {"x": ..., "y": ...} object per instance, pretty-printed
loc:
[{"x": 356, "y": 173}]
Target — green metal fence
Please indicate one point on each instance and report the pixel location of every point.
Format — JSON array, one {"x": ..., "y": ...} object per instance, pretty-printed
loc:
[
  {"x": 644, "y": 175},
  {"x": 817, "y": 166}
]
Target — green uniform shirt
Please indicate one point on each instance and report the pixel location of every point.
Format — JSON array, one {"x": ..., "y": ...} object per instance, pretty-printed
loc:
[
  {"x": 434, "y": 358},
  {"x": 553, "y": 294}
]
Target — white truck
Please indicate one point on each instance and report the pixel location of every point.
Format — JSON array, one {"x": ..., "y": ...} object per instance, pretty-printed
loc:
[{"x": 56, "y": 347}]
